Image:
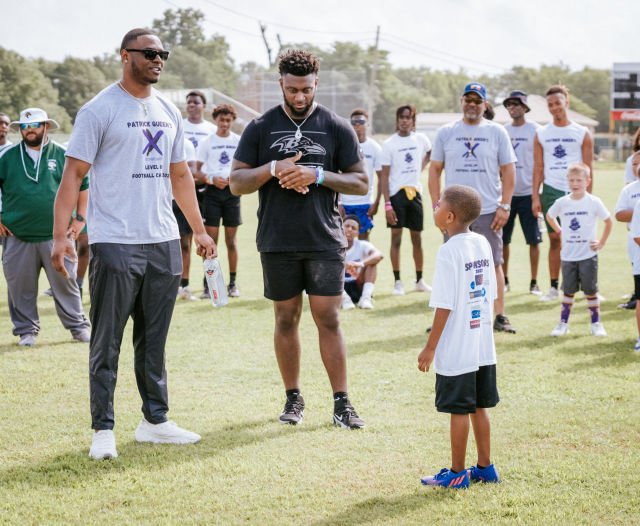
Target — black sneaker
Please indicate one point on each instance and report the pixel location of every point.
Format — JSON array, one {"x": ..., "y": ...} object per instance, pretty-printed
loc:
[
  {"x": 502, "y": 324},
  {"x": 345, "y": 416},
  {"x": 293, "y": 412}
]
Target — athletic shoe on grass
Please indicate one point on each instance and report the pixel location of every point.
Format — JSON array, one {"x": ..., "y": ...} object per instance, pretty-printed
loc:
[
  {"x": 184, "y": 293},
  {"x": 597, "y": 329},
  {"x": 165, "y": 433},
  {"x": 422, "y": 286},
  {"x": 83, "y": 336},
  {"x": 103, "y": 445},
  {"x": 636, "y": 347},
  {"x": 488, "y": 474},
  {"x": 293, "y": 412},
  {"x": 345, "y": 416},
  {"x": 448, "y": 479},
  {"x": 502, "y": 324},
  {"x": 365, "y": 303},
  {"x": 27, "y": 340},
  {"x": 535, "y": 290},
  {"x": 233, "y": 291},
  {"x": 553, "y": 294},
  {"x": 561, "y": 329},
  {"x": 398, "y": 288}
]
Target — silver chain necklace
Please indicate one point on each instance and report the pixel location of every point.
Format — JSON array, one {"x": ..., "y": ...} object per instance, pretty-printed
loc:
[
  {"x": 298, "y": 134},
  {"x": 143, "y": 104}
]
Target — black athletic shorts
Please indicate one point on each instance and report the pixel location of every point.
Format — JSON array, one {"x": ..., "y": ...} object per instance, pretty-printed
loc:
[
  {"x": 287, "y": 274},
  {"x": 221, "y": 204},
  {"x": 463, "y": 394},
  {"x": 410, "y": 213},
  {"x": 521, "y": 208},
  {"x": 353, "y": 289},
  {"x": 183, "y": 224}
]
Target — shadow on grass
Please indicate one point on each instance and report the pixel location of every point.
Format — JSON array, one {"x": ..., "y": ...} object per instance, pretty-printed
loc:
[
  {"x": 40, "y": 346},
  {"x": 76, "y": 468},
  {"x": 389, "y": 510},
  {"x": 388, "y": 345}
]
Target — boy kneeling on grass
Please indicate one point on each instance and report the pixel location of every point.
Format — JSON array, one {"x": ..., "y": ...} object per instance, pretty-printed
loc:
[
  {"x": 461, "y": 338},
  {"x": 579, "y": 212}
]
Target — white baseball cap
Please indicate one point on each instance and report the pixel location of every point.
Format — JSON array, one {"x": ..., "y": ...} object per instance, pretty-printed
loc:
[{"x": 31, "y": 115}]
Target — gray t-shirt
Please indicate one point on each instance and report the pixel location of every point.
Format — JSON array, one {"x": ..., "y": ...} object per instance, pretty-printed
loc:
[
  {"x": 472, "y": 156},
  {"x": 130, "y": 144},
  {"x": 522, "y": 141}
]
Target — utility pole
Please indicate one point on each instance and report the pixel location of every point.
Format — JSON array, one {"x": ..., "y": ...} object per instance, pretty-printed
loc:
[
  {"x": 263, "y": 30},
  {"x": 372, "y": 85}
]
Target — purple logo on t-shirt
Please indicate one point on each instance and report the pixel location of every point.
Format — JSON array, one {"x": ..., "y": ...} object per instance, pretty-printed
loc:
[
  {"x": 408, "y": 158},
  {"x": 559, "y": 152},
  {"x": 224, "y": 158},
  {"x": 471, "y": 150},
  {"x": 575, "y": 224},
  {"x": 152, "y": 142}
]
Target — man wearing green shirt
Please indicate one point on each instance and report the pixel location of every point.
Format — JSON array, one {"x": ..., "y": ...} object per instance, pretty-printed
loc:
[{"x": 30, "y": 173}]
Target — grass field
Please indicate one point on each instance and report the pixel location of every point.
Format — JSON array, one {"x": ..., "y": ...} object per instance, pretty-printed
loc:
[{"x": 566, "y": 434}]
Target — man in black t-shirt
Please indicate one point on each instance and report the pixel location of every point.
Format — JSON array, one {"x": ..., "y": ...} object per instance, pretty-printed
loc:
[{"x": 298, "y": 156}]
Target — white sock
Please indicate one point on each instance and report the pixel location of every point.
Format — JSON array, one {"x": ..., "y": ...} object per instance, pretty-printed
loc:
[{"x": 367, "y": 290}]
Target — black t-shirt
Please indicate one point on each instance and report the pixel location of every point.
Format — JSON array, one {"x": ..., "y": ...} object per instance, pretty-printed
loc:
[{"x": 287, "y": 220}]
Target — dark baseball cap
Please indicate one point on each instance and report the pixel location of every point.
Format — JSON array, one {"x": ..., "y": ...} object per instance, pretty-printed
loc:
[
  {"x": 520, "y": 96},
  {"x": 477, "y": 88}
]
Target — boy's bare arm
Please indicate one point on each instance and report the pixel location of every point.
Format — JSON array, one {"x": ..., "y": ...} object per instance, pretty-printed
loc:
[
  {"x": 426, "y": 356},
  {"x": 598, "y": 244}
]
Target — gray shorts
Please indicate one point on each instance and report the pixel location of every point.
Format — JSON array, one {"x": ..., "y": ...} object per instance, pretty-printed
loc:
[
  {"x": 482, "y": 226},
  {"x": 580, "y": 275}
]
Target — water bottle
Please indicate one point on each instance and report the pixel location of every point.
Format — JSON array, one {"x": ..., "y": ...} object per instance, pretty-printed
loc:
[
  {"x": 215, "y": 283},
  {"x": 542, "y": 225}
]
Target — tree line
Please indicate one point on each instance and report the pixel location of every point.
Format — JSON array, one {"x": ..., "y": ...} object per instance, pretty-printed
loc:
[{"x": 198, "y": 61}]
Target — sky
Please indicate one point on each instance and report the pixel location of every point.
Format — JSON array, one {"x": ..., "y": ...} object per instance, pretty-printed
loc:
[{"x": 487, "y": 36}]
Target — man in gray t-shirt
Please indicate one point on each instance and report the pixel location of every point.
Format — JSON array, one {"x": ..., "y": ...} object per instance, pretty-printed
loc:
[
  {"x": 132, "y": 140},
  {"x": 476, "y": 152}
]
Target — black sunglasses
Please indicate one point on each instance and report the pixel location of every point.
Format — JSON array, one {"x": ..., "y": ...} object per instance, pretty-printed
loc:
[
  {"x": 151, "y": 54},
  {"x": 358, "y": 121}
]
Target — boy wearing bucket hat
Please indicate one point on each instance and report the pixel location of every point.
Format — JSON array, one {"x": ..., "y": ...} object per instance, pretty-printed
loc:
[
  {"x": 30, "y": 173},
  {"x": 522, "y": 134}
]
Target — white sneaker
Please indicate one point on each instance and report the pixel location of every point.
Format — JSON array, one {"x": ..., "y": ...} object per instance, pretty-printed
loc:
[
  {"x": 561, "y": 329},
  {"x": 103, "y": 445},
  {"x": 422, "y": 286},
  {"x": 553, "y": 294},
  {"x": 165, "y": 433},
  {"x": 233, "y": 291},
  {"x": 365, "y": 303},
  {"x": 507, "y": 287},
  {"x": 398, "y": 289},
  {"x": 636, "y": 347},
  {"x": 27, "y": 340},
  {"x": 347, "y": 302},
  {"x": 597, "y": 329},
  {"x": 83, "y": 336},
  {"x": 184, "y": 293}
]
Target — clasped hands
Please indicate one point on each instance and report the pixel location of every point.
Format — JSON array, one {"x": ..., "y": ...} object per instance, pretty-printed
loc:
[{"x": 292, "y": 176}]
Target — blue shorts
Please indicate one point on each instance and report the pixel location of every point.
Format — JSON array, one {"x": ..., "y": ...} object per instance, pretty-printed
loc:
[{"x": 361, "y": 211}]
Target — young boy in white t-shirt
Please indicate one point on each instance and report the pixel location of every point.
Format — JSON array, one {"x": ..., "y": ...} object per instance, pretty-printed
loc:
[
  {"x": 579, "y": 212},
  {"x": 635, "y": 263},
  {"x": 461, "y": 338}
]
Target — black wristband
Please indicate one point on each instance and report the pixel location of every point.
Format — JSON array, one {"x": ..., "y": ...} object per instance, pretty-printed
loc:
[{"x": 80, "y": 218}]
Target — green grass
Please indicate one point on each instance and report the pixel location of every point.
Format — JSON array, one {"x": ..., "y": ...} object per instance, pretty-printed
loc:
[{"x": 565, "y": 435}]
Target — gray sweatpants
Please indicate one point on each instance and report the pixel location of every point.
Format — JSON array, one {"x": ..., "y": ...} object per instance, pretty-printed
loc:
[
  {"x": 140, "y": 281},
  {"x": 21, "y": 263}
]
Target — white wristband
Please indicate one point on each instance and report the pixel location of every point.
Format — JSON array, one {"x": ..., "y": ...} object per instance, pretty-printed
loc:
[{"x": 273, "y": 168}]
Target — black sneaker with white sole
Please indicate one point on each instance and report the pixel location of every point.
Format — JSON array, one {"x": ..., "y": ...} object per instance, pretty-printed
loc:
[
  {"x": 293, "y": 412},
  {"x": 345, "y": 416}
]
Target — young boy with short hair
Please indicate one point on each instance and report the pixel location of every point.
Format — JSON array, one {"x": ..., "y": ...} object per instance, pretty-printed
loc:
[
  {"x": 461, "y": 338},
  {"x": 579, "y": 212}
]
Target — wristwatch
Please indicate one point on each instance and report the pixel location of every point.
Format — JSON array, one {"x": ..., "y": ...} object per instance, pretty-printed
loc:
[
  {"x": 80, "y": 218},
  {"x": 505, "y": 206}
]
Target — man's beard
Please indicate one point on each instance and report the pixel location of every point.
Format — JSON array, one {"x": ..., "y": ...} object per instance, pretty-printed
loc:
[
  {"x": 33, "y": 143},
  {"x": 297, "y": 113},
  {"x": 139, "y": 75}
]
